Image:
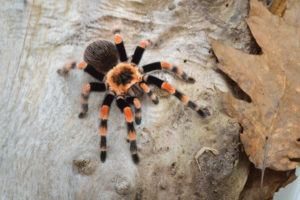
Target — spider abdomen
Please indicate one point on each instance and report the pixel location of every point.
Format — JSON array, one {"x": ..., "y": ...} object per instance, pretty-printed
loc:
[{"x": 102, "y": 55}]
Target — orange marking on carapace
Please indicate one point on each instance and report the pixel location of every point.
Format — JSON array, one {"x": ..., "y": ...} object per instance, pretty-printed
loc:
[
  {"x": 131, "y": 135},
  {"x": 128, "y": 114},
  {"x": 86, "y": 88},
  {"x": 104, "y": 111},
  {"x": 82, "y": 65},
  {"x": 137, "y": 103},
  {"x": 145, "y": 87},
  {"x": 118, "y": 38},
  {"x": 118, "y": 88},
  {"x": 102, "y": 131},
  {"x": 165, "y": 65},
  {"x": 169, "y": 88},
  {"x": 185, "y": 99}
]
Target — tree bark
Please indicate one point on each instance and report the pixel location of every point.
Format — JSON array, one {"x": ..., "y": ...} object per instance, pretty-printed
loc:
[{"x": 48, "y": 153}]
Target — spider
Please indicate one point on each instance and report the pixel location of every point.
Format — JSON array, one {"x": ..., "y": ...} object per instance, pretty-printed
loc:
[{"x": 119, "y": 76}]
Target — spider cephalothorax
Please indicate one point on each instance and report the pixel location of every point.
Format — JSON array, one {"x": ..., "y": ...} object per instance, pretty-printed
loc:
[
  {"x": 122, "y": 77},
  {"x": 119, "y": 80}
]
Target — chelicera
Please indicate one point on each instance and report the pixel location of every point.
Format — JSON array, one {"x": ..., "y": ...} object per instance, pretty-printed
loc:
[{"x": 119, "y": 76}]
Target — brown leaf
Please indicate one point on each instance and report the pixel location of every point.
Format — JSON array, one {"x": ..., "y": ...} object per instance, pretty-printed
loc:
[
  {"x": 271, "y": 122},
  {"x": 292, "y": 14},
  {"x": 278, "y": 7},
  {"x": 273, "y": 181}
]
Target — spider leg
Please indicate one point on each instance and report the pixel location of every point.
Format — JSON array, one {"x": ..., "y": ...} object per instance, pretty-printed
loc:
[
  {"x": 85, "y": 93},
  {"x": 90, "y": 70},
  {"x": 139, "y": 51},
  {"x": 137, "y": 108},
  {"x": 125, "y": 108},
  {"x": 203, "y": 112},
  {"x": 67, "y": 68},
  {"x": 168, "y": 67},
  {"x": 83, "y": 66},
  {"x": 120, "y": 47},
  {"x": 149, "y": 92},
  {"x": 103, "y": 115}
]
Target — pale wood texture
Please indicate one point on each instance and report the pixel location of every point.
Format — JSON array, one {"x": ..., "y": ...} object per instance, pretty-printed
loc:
[{"x": 48, "y": 153}]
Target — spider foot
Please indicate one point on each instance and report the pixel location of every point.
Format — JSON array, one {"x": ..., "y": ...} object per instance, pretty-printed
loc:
[
  {"x": 103, "y": 156},
  {"x": 190, "y": 80},
  {"x": 144, "y": 43},
  {"x": 62, "y": 72},
  {"x": 155, "y": 101},
  {"x": 133, "y": 151},
  {"x": 204, "y": 112},
  {"x": 135, "y": 158},
  {"x": 66, "y": 68},
  {"x": 82, "y": 115},
  {"x": 138, "y": 121},
  {"x": 153, "y": 97}
]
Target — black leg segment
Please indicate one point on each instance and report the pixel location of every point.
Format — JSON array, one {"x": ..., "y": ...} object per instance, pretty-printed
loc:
[
  {"x": 104, "y": 113},
  {"x": 121, "y": 48},
  {"x": 93, "y": 72},
  {"x": 203, "y": 112},
  {"x": 125, "y": 108},
  {"x": 86, "y": 90}
]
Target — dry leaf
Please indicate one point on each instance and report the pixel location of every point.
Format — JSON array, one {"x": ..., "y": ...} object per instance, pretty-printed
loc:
[
  {"x": 273, "y": 181},
  {"x": 278, "y": 7},
  {"x": 271, "y": 122},
  {"x": 292, "y": 14}
]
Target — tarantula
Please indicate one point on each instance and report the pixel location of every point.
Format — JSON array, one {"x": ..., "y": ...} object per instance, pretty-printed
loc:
[{"x": 119, "y": 79}]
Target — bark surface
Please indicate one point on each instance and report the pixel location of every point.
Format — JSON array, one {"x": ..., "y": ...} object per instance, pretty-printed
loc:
[{"x": 48, "y": 153}]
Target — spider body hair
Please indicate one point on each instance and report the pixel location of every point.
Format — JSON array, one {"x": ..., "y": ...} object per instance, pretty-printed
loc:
[
  {"x": 121, "y": 77},
  {"x": 102, "y": 55}
]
